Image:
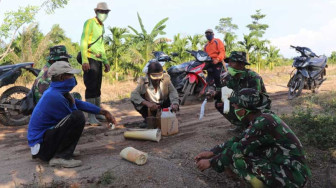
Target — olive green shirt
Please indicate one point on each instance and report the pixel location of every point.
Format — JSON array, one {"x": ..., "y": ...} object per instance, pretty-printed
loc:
[{"x": 145, "y": 91}]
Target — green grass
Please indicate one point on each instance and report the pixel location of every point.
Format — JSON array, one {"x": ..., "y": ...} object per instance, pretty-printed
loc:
[{"x": 314, "y": 121}]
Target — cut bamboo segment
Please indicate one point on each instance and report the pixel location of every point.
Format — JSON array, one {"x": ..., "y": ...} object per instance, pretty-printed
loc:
[
  {"x": 133, "y": 155},
  {"x": 147, "y": 134}
]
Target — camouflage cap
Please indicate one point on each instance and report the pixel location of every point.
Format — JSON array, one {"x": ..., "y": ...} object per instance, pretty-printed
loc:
[
  {"x": 237, "y": 56},
  {"x": 251, "y": 99},
  {"x": 57, "y": 53}
]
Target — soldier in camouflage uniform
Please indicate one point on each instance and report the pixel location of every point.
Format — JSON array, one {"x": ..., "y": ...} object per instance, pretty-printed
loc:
[
  {"x": 42, "y": 82},
  {"x": 267, "y": 153},
  {"x": 236, "y": 78}
]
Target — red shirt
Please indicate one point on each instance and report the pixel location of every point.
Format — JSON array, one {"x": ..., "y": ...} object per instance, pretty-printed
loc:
[{"x": 215, "y": 49}]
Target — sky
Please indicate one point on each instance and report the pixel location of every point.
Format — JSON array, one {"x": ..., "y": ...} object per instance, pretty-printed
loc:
[{"x": 309, "y": 23}]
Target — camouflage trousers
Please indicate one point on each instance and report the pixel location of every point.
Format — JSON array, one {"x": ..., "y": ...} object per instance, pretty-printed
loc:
[{"x": 271, "y": 174}]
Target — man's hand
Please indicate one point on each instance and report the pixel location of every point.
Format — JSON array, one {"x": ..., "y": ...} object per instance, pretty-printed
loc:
[
  {"x": 109, "y": 117},
  {"x": 69, "y": 98},
  {"x": 107, "y": 68},
  {"x": 204, "y": 155},
  {"x": 215, "y": 61},
  {"x": 86, "y": 67},
  {"x": 151, "y": 105},
  {"x": 174, "y": 107},
  {"x": 203, "y": 164},
  {"x": 210, "y": 94}
]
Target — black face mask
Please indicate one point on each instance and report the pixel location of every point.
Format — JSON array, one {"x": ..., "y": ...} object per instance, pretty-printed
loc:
[{"x": 209, "y": 37}]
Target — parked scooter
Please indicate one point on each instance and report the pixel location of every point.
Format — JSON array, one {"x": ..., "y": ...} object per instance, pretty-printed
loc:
[
  {"x": 194, "y": 80},
  {"x": 10, "y": 99},
  {"x": 161, "y": 57},
  {"x": 309, "y": 74}
]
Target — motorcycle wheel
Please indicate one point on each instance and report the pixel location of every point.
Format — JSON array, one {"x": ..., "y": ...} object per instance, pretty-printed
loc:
[
  {"x": 187, "y": 92},
  {"x": 296, "y": 86},
  {"x": 11, "y": 117}
]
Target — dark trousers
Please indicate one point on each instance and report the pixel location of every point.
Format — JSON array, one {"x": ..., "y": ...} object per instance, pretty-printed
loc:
[
  {"x": 214, "y": 72},
  {"x": 61, "y": 141},
  {"x": 93, "y": 79},
  {"x": 144, "y": 110}
]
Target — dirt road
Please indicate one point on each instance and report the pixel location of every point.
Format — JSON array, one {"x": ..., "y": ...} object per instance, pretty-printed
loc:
[{"x": 170, "y": 162}]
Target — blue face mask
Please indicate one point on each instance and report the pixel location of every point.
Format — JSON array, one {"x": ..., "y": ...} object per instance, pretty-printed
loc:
[
  {"x": 209, "y": 37},
  {"x": 65, "y": 86}
]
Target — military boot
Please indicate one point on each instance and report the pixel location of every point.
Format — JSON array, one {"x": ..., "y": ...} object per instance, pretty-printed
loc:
[
  {"x": 92, "y": 117},
  {"x": 99, "y": 116}
]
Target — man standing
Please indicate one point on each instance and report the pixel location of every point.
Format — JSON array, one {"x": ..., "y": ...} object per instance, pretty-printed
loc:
[
  {"x": 216, "y": 50},
  {"x": 94, "y": 58},
  {"x": 57, "y": 121},
  {"x": 155, "y": 91},
  {"x": 42, "y": 81}
]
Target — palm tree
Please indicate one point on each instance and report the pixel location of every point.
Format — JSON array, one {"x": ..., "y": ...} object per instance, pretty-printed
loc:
[
  {"x": 31, "y": 46},
  {"x": 117, "y": 47},
  {"x": 260, "y": 51},
  {"x": 195, "y": 41},
  {"x": 273, "y": 56},
  {"x": 229, "y": 39},
  {"x": 145, "y": 42},
  {"x": 180, "y": 45},
  {"x": 248, "y": 44}
]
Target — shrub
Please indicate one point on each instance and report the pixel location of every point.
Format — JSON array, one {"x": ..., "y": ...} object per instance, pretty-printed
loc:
[{"x": 314, "y": 129}]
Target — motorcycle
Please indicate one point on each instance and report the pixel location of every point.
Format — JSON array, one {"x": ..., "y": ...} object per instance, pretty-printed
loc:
[
  {"x": 161, "y": 57},
  {"x": 191, "y": 80},
  {"x": 310, "y": 70},
  {"x": 10, "y": 99}
]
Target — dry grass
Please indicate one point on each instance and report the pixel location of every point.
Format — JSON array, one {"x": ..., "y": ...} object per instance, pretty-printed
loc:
[
  {"x": 122, "y": 89},
  {"x": 110, "y": 92}
]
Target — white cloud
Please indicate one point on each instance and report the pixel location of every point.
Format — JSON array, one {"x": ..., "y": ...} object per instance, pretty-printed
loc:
[{"x": 321, "y": 40}]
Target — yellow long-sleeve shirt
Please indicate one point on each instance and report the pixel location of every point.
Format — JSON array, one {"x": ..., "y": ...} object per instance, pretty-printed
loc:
[{"x": 91, "y": 32}]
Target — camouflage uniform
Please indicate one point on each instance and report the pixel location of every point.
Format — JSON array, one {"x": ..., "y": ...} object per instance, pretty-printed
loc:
[
  {"x": 248, "y": 79},
  {"x": 268, "y": 150},
  {"x": 42, "y": 81}
]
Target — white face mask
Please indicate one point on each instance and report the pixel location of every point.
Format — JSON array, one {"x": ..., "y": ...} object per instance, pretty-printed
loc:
[{"x": 101, "y": 17}]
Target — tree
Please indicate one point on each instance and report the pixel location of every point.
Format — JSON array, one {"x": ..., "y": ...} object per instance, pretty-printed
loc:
[
  {"x": 180, "y": 45},
  {"x": 256, "y": 27},
  {"x": 227, "y": 28},
  {"x": 273, "y": 56},
  {"x": 14, "y": 20},
  {"x": 145, "y": 42},
  {"x": 117, "y": 47},
  {"x": 32, "y": 46},
  {"x": 260, "y": 50},
  {"x": 248, "y": 44},
  {"x": 332, "y": 57},
  {"x": 195, "y": 41}
]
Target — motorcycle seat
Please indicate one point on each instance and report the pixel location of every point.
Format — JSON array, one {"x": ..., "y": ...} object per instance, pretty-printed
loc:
[{"x": 318, "y": 62}]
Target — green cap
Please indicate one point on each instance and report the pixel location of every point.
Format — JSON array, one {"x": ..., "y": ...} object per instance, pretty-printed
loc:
[
  {"x": 57, "y": 53},
  {"x": 237, "y": 56}
]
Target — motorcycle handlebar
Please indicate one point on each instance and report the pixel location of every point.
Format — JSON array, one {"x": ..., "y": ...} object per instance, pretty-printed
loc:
[{"x": 292, "y": 46}]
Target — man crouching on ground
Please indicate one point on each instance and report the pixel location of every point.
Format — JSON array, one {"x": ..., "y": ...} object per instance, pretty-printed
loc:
[
  {"x": 155, "y": 91},
  {"x": 57, "y": 121}
]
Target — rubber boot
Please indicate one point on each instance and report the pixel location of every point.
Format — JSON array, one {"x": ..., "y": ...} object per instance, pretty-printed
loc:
[
  {"x": 99, "y": 116},
  {"x": 92, "y": 117}
]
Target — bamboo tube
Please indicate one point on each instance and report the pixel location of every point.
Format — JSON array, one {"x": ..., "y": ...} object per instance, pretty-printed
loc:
[
  {"x": 150, "y": 134},
  {"x": 133, "y": 155}
]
